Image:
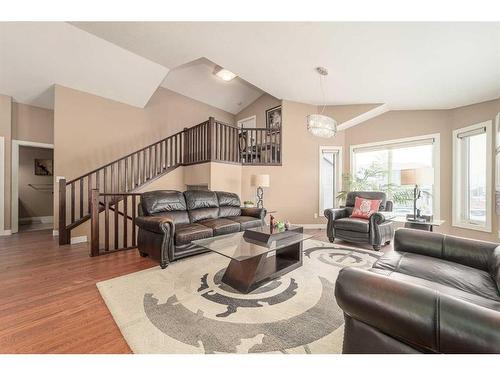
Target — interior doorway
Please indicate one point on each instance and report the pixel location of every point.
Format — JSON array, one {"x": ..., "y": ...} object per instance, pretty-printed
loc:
[{"x": 32, "y": 186}]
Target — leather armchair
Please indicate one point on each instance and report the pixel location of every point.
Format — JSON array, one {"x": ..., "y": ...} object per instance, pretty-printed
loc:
[
  {"x": 376, "y": 231},
  {"x": 433, "y": 294}
]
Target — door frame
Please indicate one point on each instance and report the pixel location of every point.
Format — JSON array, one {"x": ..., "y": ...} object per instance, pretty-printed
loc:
[
  {"x": 14, "y": 208},
  {"x": 2, "y": 187}
]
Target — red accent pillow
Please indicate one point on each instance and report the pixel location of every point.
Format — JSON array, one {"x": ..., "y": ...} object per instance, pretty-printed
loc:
[{"x": 364, "y": 208}]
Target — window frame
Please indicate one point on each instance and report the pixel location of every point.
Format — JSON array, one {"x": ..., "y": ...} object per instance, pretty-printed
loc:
[
  {"x": 337, "y": 151},
  {"x": 436, "y": 161},
  {"x": 459, "y": 165}
]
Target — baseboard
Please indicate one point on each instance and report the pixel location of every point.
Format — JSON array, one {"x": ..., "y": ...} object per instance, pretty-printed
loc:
[
  {"x": 36, "y": 220},
  {"x": 6, "y": 232},
  {"x": 312, "y": 226},
  {"x": 79, "y": 239},
  {"x": 55, "y": 233}
]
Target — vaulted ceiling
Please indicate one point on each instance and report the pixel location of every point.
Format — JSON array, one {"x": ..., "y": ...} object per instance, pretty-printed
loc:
[{"x": 404, "y": 65}]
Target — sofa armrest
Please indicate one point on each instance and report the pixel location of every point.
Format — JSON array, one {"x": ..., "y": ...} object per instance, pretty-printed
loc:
[
  {"x": 259, "y": 213},
  {"x": 335, "y": 213},
  {"x": 156, "y": 224},
  {"x": 418, "y": 316}
]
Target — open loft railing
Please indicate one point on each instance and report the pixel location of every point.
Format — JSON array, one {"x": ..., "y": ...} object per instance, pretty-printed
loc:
[{"x": 210, "y": 141}]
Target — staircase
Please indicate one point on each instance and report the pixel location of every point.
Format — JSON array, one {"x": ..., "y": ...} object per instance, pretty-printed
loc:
[{"x": 113, "y": 187}]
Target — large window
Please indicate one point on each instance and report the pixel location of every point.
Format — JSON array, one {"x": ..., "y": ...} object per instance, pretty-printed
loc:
[
  {"x": 378, "y": 167},
  {"x": 329, "y": 176},
  {"x": 472, "y": 177}
]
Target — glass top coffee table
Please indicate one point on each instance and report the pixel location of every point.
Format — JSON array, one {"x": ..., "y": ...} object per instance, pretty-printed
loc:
[{"x": 253, "y": 262}]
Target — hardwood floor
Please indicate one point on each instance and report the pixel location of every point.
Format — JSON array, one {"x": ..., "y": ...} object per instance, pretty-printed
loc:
[{"x": 48, "y": 299}]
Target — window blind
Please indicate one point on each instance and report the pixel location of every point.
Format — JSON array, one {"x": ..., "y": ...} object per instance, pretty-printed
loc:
[
  {"x": 394, "y": 145},
  {"x": 471, "y": 133}
]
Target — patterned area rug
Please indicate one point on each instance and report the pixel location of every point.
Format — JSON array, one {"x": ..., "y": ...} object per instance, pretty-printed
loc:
[{"x": 186, "y": 309}]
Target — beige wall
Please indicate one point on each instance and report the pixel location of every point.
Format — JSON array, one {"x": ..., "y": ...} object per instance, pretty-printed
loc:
[
  {"x": 402, "y": 124},
  {"x": 258, "y": 108},
  {"x": 90, "y": 131},
  {"x": 293, "y": 190},
  {"x": 225, "y": 177},
  {"x": 34, "y": 202},
  {"x": 32, "y": 124}
]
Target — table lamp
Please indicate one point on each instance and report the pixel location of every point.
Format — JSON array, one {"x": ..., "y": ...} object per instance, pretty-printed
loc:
[
  {"x": 260, "y": 181},
  {"x": 417, "y": 176}
]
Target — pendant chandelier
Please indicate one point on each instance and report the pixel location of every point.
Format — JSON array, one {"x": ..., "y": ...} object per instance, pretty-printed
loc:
[{"x": 320, "y": 125}]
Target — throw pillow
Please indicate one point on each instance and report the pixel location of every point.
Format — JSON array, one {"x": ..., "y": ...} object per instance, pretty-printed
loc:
[{"x": 364, "y": 208}]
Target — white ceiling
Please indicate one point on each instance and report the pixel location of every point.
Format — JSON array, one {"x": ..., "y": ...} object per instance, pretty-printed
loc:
[
  {"x": 37, "y": 55},
  {"x": 196, "y": 80},
  {"x": 406, "y": 65}
]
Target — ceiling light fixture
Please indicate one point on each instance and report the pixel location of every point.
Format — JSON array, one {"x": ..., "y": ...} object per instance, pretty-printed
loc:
[
  {"x": 320, "y": 125},
  {"x": 224, "y": 74}
]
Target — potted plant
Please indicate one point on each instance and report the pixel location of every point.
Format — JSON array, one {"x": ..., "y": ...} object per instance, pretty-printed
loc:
[{"x": 248, "y": 204}]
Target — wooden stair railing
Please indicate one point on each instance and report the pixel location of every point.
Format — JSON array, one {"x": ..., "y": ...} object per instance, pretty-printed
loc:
[{"x": 212, "y": 140}]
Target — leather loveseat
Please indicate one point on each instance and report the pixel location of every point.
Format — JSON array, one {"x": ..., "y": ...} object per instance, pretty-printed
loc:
[
  {"x": 169, "y": 220},
  {"x": 432, "y": 294},
  {"x": 375, "y": 231}
]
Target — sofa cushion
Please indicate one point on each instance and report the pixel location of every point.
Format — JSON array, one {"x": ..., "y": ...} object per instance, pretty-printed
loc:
[
  {"x": 165, "y": 202},
  {"x": 221, "y": 226},
  {"x": 441, "y": 288},
  {"x": 351, "y": 198},
  {"x": 185, "y": 233},
  {"x": 201, "y": 205},
  {"x": 364, "y": 208},
  {"x": 247, "y": 221},
  {"x": 229, "y": 204},
  {"x": 454, "y": 275},
  {"x": 352, "y": 224}
]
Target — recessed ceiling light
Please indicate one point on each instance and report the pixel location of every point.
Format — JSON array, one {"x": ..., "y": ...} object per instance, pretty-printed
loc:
[{"x": 224, "y": 74}]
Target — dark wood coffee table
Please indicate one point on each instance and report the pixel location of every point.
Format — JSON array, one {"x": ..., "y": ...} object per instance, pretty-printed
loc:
[{"x": 253, "y": 262}]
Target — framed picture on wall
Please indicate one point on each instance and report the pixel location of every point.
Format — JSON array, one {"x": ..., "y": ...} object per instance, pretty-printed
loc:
[
  {"x": 273, "y": 118},
  {"x": 43, "y": 167}
]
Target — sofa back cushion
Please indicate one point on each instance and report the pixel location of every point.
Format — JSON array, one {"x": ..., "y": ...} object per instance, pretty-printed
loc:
[
  {"x": 201, "y": 205},
  {"x": 351, "y": 198},
  {"x": 229, "y": 204},
  {"x": 165, "y": 203}
]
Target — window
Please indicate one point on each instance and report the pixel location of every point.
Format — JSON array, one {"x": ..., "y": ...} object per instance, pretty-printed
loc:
[
  {"x": 378, "y": 166},
  {"x": 330, "y": 169},
  {"x": 472, "y": 177}
]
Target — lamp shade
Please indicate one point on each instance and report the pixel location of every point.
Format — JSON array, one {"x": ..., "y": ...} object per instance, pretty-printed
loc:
[
  {"x": 261, "y": 180},
  {"x": 417, "y": 176}
]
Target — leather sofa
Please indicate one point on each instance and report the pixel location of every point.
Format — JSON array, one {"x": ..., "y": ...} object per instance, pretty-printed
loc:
[
  {"x": 432, "y": 294},
  {"x": 169, "y": 220},
  {"x": 375, "y": 231}
]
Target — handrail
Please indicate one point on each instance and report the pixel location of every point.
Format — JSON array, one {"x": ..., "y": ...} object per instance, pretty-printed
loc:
[{"x": 124, "y": 157}]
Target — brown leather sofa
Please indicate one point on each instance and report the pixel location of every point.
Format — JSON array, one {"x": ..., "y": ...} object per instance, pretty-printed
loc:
[
  {"x": 169, "y": 220},
  {"x": 375, "y": 231},
  {"x": 432, "y": 294}
]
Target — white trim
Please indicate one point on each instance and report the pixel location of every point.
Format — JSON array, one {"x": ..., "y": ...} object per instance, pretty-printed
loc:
[
  {"x": 238, "y": 123},
  {"x": 338, "y": 174},
  {"x": 372, "y": 113},
  {"x": 6, "y": 232},
  {"x": 55, "y": 232},
  {"x": 436, "y": 156},
  {"x": 2, "y": 185},
  {"x": 457, "y": 182},
  {"x": 79, "y": 239},
  {"x": 312, "y": 226},
  {"x": 14, "y": 211}
]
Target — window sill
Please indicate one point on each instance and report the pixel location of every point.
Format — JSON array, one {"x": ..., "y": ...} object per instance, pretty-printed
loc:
[{"x": 480, "y": 228}]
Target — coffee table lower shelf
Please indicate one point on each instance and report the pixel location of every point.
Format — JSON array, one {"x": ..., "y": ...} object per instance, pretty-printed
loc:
[{"x": 248, "y": 274}]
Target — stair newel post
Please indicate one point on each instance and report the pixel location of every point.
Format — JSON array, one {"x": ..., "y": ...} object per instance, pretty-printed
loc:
[
  {"x": 211, "y": 138},
  {"x": 63, "y": 232},
  {"x": 94, "y": 223}
]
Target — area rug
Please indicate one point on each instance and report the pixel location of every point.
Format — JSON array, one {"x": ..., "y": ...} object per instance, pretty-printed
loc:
[{"x": 186, "y": 309}]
